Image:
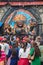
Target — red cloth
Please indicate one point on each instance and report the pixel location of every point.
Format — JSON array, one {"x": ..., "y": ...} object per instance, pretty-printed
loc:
[
  {"x": 23, "y": 61},
  {"x": 10, "y": 46},
  {"x": 24, "y": 41},
  {"x": 2, "y": 38},
  {"x": 3, "y": 56}
]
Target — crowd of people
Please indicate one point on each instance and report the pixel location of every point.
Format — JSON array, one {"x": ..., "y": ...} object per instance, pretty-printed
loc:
[
  {"x": 20, "y": 50},
  {"x": 20, "y": 45}
]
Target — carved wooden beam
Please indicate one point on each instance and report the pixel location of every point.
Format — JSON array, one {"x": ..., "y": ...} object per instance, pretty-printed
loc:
[
  {"x": 21, "y": 3},
  {"x": 25, "y": 3},
  {"x": 3, "y": 3}
]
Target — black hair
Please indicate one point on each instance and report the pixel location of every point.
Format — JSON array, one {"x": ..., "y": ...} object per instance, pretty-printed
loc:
[
  {"x": 14, "y": 52},
  {"x": 24, "y": 46},
  {"x": 37, "y": 50},
  {"x": 0, "y": 50}
]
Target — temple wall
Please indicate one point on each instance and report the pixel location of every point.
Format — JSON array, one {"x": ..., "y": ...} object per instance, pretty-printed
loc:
[{"x": 37, "y": 12}]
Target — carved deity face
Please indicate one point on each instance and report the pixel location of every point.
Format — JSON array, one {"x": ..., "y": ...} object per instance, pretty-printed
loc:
[{"x": 20, "y": 23}]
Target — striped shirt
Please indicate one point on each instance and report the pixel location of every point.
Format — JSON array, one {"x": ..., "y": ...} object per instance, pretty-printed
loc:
[{"x": 3, "y": 56}]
